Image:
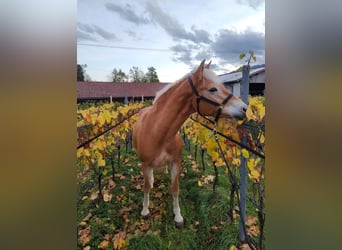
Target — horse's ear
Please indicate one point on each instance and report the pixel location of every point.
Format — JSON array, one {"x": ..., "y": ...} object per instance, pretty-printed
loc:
[
  {"x": 208, "y": 65},
  {"x": 199, "y": 71}
]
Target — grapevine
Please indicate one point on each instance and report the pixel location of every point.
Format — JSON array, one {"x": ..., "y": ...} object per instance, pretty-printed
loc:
[
  {"x": 96, "y": 120},
  {"x": 218, "y": 147}
]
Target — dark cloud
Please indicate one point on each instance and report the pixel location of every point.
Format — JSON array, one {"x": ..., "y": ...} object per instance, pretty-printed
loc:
[
  {"x": 202, "y": 35},
  {"x": 204, "y": 53},
  {"x": 89, "y": 32},
  {"x": 226, "y": 48},
  {"x": 83, "y": 36},
  {"x": 173, "y": 27},
  {"x": 252, "y": 3},
  {"x": 127, "y": 13},
  {"x": 189, "y": 53},
  {"x": 183, "y": 52},
  {"x": 230, "y": 44}
]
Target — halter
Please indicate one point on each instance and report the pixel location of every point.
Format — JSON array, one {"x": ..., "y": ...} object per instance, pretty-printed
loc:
[{"x": 199, "y": 98}]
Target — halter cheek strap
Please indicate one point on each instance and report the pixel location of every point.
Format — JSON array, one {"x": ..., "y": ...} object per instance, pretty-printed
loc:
[{"x": 199, "y": 98}]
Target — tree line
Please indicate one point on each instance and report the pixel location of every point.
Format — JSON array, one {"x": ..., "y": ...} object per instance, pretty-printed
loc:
[{"x": 135, "y": 74}]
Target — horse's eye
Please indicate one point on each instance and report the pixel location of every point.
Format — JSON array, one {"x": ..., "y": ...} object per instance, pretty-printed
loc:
[{"x": 212, "y": 90}]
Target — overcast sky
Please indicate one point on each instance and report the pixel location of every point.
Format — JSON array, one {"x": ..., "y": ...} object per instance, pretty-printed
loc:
[{"x": 173, "y": 36}]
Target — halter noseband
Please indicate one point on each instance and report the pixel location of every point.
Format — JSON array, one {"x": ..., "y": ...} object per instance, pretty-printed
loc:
[{"x": 199, "y": 98}]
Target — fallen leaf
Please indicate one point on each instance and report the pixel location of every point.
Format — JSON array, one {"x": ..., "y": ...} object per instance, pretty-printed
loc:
[
  {"x": 158, "y": 194},
  {"x": 215, "y": 228},
  {"x": 87, "y": 248},
  {"x": 253, "y": 231},
  {"x": 119, "y": 240},
  {"x": 107, "y": 197},
  {"x": 145, "y": 227},
  {"x": 87, "y": 217},
  {"x": 245, "y": 247},
  {"x": 83, "y": 223},
  {"x": 251, "y": 220},
  {"x": 104, "y": 244},
  {"x": 120, "y": 176},
  {"x": 111, "y": 184},
  {"x": 84, "y": 236},
  {"x": 94, "y": 196},
  {"x": 137, "y": 232},
  {"x": 156, "y": 232}
]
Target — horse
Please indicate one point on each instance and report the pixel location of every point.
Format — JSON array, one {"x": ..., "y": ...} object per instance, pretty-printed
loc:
[{"x": 156, "y": 131}]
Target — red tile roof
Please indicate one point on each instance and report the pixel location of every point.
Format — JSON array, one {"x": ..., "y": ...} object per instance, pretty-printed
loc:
[{"x": 99, "y": 90}]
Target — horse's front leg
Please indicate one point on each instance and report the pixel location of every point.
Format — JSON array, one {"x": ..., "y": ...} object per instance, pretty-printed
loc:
[
  {"x": 175, "y": 172},
  {"x": 148, "y": 184}
]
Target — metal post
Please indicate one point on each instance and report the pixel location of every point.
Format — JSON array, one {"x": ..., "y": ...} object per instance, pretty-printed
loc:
[{"x": 244, "y": 89}]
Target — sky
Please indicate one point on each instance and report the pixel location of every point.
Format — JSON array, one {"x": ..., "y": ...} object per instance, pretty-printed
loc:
[{"x": 173, "y": 36}]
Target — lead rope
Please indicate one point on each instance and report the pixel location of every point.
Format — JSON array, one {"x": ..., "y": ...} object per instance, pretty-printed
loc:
[{"x": 235, "y": 186}]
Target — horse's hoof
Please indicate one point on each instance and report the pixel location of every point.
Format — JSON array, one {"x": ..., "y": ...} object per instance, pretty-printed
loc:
[
  {"x": 179, "y": 225},
  {"x": 147, "y": 216}
]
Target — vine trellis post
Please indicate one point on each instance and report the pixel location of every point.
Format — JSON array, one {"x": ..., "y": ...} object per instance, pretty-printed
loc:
[{"x": 244, "y": 90}]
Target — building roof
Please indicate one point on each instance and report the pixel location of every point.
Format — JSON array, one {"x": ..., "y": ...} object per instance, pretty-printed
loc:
[
  {"x": 100, "y": 90},
  {"x": 236, "y": 76}
]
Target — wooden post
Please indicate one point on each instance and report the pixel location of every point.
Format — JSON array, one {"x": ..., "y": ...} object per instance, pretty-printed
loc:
[{"x": 243, "y": 167}]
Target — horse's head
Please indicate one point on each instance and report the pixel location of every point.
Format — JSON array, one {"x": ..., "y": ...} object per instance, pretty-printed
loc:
[{"x": 211, "y": 98}]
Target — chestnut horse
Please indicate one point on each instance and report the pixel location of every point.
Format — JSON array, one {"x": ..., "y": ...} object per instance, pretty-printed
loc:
[{"x": 155, "y": 134}]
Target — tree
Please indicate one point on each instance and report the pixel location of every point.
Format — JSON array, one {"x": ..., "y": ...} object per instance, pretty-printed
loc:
[
  {"x": 81, "y": 72},
  {"x": 136, "y": 75},
  {"x": 118, "y": 75},
  {"x": 151, "y": 75}
]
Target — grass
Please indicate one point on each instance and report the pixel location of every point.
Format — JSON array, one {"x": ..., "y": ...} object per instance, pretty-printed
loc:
[{"x": 207, "y": 223}]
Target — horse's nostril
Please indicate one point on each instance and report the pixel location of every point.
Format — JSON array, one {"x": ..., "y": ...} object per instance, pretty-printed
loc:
[{"x": 244, "y": 109}]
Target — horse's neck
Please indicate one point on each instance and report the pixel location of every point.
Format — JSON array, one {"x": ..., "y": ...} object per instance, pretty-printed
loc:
[{"x": 174, "y": 107}]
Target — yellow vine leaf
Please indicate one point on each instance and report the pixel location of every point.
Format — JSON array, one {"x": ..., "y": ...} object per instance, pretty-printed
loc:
[
  {"x": 104, "y": 172},
  {"x": 236, "y": 161},
  {"x": 245, "y": 153},
  {"x": 79, "y": 152},
  {"x": 214, "y": 156},
  {"x": 211, "y": 146},
  {"x": 100, "y": 120},
  {"x": 251, "y": 163},
  {"x": 86, "y": 152},
  {"x": 99, "y": 145},
  {"x": 249, "y": 114},
  {"x": 219, "y": 162},
  {"x": 262, "y": 111},
  {"x": 100, "y": 161},
  {"x": 254, "y": 174},
  {"x": 106, "y": 115},
  {"x": 262, "y": 138}
]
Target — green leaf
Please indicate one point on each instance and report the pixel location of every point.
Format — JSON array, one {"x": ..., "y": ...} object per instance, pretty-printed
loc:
[
  {"x": 254, "y": 58},
  {"x": 242, "y": 55}
]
